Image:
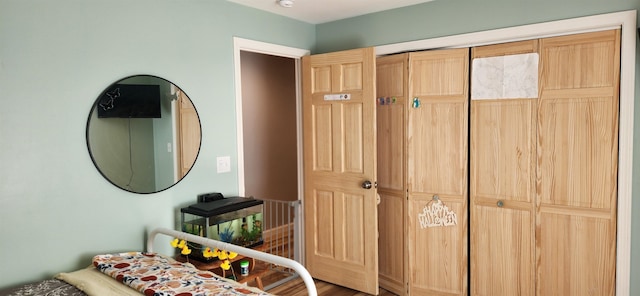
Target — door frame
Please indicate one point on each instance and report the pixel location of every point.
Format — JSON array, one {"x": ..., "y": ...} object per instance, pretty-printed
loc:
[
  {"x": 241, "y": 44},
  {"x": 626, "y": 20}
]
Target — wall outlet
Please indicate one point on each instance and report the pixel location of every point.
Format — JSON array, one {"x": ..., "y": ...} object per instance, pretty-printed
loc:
[{"x": 223, "y": 164}]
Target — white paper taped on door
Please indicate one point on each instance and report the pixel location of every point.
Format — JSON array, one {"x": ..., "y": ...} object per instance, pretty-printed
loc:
[{"x": 505, "y": 77}]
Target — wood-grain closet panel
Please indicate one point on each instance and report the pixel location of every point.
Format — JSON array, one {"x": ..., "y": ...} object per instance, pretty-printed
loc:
[
  {"x": 391, "y": 93},
  {"x": 502, "y": 186},
  {"x": 437, "y": 166},
  {"x": 577, "y": 164}
]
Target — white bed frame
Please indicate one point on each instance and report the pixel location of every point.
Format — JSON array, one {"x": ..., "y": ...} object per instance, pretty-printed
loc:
[{"x": 281, "y": 261}]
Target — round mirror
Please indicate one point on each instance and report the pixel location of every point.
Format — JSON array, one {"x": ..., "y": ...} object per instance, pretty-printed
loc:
[{"x": 143, "y": 134}]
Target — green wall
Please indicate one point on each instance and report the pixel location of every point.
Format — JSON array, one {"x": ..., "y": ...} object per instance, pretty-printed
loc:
[
  {"x": 56, "y": 210},
  {"x": 452, "y": 17}
]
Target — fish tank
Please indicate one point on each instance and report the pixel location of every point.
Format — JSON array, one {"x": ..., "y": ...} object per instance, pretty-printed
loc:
[{"x": 235, "y": 220}]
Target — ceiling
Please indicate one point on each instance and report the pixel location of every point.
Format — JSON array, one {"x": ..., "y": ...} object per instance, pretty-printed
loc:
[{"x": 322, "y": 11}]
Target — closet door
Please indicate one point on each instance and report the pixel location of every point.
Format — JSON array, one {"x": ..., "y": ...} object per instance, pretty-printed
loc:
[
  {"x": 504, "y": 91},
  {"x": 577, "y": 157},
  {"x": 391, "y": 93},
  {"x": 437, "y": 171}
]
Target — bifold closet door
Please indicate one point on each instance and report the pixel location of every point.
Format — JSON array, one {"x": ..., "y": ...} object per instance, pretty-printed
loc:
[
  {"x": 391, "y": 93},
  {"x": 437, "y": 143},
  {"x": 577, "y": 164},
  {"x": 502, "y": 172},
  {"x": 543, "y": 175}
]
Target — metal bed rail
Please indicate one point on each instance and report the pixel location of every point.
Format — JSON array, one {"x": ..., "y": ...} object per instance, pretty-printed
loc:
[{"x": 267, "y": 257}]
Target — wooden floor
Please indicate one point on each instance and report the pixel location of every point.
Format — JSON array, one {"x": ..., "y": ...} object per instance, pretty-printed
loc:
[{"x": 296, "y": 287}]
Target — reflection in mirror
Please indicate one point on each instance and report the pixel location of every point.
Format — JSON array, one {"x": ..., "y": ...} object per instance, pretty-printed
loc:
[{"x": 143, "y": 134}]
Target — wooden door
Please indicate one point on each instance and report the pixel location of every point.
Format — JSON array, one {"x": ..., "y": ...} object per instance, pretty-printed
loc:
[
  {"x": 437, "y": 170},
  {"x": 391, "y": 94},
  {"x": 189, "y": 134},
  {"x": 502, "y": 168},
  {"x": 339, "y": 139},
  {"x": 577, "y": 164}
]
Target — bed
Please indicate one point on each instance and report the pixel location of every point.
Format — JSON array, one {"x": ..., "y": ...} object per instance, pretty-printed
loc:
[{"x": 150, "y": 273}]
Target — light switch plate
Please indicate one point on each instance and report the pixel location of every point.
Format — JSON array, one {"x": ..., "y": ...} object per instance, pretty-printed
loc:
[{"x": 223, "y": 164}]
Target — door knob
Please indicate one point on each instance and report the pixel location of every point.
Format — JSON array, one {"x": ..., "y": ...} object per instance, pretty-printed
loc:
[
  {"x": 500, "y": 203},
  {"x": 367, "y": 184}
]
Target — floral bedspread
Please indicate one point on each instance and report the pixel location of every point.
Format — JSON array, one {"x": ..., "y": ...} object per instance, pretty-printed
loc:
[{"x": 158, "y": 275}]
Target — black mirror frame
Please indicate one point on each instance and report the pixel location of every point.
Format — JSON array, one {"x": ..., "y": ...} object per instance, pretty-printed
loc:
[{"x": 87, "y": 137}]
